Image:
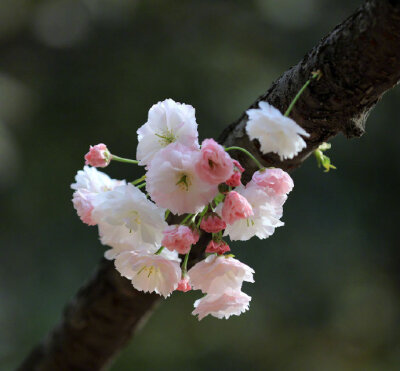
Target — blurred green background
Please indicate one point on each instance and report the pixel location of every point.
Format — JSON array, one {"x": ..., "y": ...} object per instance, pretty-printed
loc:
[{"x": 74, "y": 73}]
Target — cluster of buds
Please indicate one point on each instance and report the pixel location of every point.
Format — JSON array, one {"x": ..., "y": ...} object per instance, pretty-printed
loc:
[{"x": 200, "y": 183}]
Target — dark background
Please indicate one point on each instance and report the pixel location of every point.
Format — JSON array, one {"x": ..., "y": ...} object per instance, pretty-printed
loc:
[{"x": 74, "y": 73}]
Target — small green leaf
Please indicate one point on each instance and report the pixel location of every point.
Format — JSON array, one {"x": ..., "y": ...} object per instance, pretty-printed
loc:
[{"x": 323, "y": 160}]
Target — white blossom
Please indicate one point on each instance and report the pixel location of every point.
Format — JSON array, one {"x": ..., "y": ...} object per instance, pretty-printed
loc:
[
  {"x": 267, "y": 211},
  {"x": 215, "y": 274},
  {"x": 121, "y": 239},
  {"x": 231, "y": 302},
  {"x": 89, "y": 183},
  {"x": 275, "y": 132},
  {"x": 94, "y": 181},
  {"x": 127, "y": 206},
  {"x": 149, "y": 272},
  {"x": 168, "y": 122}
]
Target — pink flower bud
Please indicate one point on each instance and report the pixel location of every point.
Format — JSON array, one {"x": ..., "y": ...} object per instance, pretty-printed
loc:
[
  {"x": 235, "y": 179},
  {"x": 277, "y": 180},
  {"x": 214, "y": 165},
  {"x": 212, "y": 224},
  {"x": 184, "y": 285},
  {"x": 98, "y": 156},
  {"x": 219, "y": 247},
  {"x": 235, "y": 207},
  {"x": 179, "y": 238}
]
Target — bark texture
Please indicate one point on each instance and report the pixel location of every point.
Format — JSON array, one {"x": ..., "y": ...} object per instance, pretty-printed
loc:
[{"x": 359, "y": 59}]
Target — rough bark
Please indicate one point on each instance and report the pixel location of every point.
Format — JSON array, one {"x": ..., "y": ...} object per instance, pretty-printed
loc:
[{"x": 359, "y": 59}]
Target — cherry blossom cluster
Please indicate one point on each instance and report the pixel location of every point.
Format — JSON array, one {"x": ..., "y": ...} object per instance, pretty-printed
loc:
[{"x": 200, "y": 188}]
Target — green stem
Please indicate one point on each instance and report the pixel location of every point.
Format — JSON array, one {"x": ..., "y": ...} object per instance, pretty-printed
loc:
[
  {"x": 258, "y": 163},
  {"x": 141, "y": 185},
  {"x": 184, "y": 265},
  {"x": 314, "y": 75},
  {"x": 159, "y": 251},
  {"x": 186, "y": 218},
  {"x": 201, "y": 215},
  {"x": 139, "y": 180},
  {"x": 126, "y": 160},
  {"x": 167, "y": 212}
]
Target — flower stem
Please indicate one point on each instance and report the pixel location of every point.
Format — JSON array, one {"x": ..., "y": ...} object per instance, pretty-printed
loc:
[
  {"x": 201, "y": 215},
  {"x": 258, "y": 163},
  {"x": 121, "y": 159},
  {"x": 159, "y": 251},
  {"x": 184, "y": 265},
  {"x": 186, "y": 218},
  {"x": 315, "y": 75},
  {"x": 141, "y": 185},
  {"x": 167, "y": 212},
  {"x": 139, "y": 180}
]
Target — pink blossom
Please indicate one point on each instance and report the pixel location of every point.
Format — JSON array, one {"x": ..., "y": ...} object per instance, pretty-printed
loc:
[
  {"x": 82, "y": 200},
  {"x": 219, "y": 247},
  {"x": 231, "y": 302},
  {"x": 183, "y": 285},
  {"x": 235, "y": 179},
  {"x": 212, "y": 223},
  {"x": 214, "y": 165},
  {"x": 215, "y": 274},
  {"x": 235, "y": 207},
  {"x": 172, "y": 181},
  {"x": 179, "y": 238},
  {"x": 275, "y": 180},
  {"x": 98, "y": 156}
]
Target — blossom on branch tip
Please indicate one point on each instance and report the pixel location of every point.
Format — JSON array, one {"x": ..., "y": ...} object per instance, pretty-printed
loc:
[
  {"x": 231, "y": 302},
  {"x": 214, "y": 165},
  {"x": 172, "y": 181},
  {"x": 179, "y": 238},
  {"x": 149, "y": 272},
  {"x": 168, "y": 122},
  {"x": 98, "y": 156},
  {"x": 203, "y": 182},
  {"x": 275, "y": 132}
]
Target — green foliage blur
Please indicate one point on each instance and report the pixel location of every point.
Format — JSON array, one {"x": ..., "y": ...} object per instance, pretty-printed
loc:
[{"x": 75, "y": 73}]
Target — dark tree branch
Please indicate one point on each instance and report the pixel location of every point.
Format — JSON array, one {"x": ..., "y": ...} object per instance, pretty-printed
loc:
[{"x": 359, "y": 59}]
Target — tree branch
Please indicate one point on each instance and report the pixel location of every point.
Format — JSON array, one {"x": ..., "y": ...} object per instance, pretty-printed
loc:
[{"x": 359, "y": 59}]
